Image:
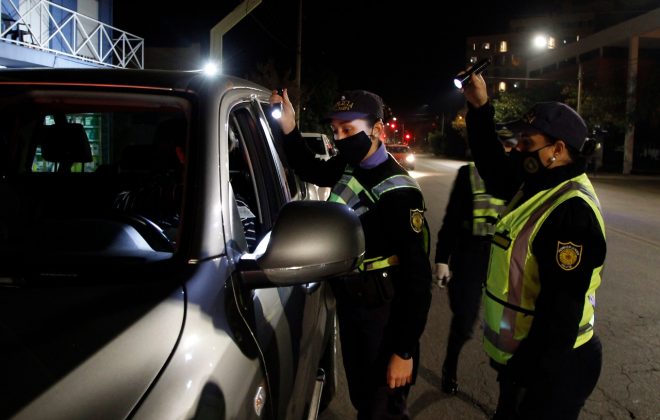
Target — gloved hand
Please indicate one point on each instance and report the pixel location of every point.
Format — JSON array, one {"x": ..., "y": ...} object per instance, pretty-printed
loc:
[{"x": 441, "y": 274}]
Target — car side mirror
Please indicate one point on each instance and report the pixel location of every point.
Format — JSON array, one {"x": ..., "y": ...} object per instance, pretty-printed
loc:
[{"x": 311, "y": 241}]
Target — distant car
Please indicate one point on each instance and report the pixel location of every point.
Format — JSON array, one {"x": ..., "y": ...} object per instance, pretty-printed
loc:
[
  {"x": 323, "y": 149},
  {"x": 403, "y": 154},
  {"x": 320, "y": 144},
  {"x": 158, "y": 257}
]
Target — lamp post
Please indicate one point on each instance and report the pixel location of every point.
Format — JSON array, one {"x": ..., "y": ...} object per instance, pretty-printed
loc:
[
  {"x": 544, "y": 42},
  {"x": 578, "y": 107}
]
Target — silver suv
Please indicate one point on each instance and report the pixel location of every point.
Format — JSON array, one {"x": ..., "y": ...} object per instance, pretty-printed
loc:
[{"x": 158, "y": 258}]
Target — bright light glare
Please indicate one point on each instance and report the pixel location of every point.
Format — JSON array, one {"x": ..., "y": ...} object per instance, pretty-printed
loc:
[
  {"x": 211, "y": 69},
  {"x": 458, "y": 83},
  {"x": 277, "y": 112},
  {"x": 540, "y": 41},
  {"x": 410, "y": 158}
]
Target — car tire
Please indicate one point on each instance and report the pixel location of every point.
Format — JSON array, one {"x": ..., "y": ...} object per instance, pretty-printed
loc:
[{"x": 329, "y": 365}]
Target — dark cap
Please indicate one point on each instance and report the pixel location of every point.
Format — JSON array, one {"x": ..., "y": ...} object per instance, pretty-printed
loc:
[
  {"x": 356, "y": 104},
  {"x": 553, "y": 119}
]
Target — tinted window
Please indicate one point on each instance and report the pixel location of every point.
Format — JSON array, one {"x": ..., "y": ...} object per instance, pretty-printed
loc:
[{"x": 85, "y": 170}]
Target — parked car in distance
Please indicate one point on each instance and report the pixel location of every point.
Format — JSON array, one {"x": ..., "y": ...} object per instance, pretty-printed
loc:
[
  {"x": 320, "y": 144},
  {"x": 155, "y": 258},
  {"x": 403, "y": 154},
  {"x": 324, "y": 149}
]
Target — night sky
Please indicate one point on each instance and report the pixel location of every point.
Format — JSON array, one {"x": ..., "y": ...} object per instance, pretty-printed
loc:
[{"x": 406, "y": 51}]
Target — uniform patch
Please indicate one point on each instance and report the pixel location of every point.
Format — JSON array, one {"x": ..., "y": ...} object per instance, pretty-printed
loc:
[
  {"x": 568, "y": 255},
  {"x": 416, "y": 220}
]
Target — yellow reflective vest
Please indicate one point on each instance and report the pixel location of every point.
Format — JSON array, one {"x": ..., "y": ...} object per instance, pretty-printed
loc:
[
  {"x": 513, "y": 275},
  {"x": 486, "y": 209},
  {"x": 350, "y": 192}
]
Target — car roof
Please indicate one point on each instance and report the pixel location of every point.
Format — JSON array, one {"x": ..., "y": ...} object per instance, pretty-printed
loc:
[{"x": 176, "y": 80}]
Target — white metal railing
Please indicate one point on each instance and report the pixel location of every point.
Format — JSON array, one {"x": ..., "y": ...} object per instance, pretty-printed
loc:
[{"x": 50, "y": 27}]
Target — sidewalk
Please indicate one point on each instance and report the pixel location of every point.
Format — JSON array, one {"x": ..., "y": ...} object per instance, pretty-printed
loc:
[{"x": 649, "y": 183}]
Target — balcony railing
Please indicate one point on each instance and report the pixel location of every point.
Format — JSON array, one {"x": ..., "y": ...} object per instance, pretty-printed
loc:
[{"x": 50, "y": 27}]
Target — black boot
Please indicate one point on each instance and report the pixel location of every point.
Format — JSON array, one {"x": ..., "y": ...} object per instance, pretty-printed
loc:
[{"x": 449, "y": 383}]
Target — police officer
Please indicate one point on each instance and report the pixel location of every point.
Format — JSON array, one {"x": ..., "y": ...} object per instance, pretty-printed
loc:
[
  {"x": 547, "y": 254},
  {"x": 462, "y": 252},
  {"x": 382, "y": 310}
]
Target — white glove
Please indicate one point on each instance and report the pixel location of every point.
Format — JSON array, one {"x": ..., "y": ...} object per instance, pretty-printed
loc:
[{"x": 441, "y": 274}]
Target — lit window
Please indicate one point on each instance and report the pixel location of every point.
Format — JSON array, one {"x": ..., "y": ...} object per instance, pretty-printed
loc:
[
  {"x": 474, "y": 46},
  {"x": 503, "y": 46},
  {"x": 552, "y": 43},
  {"x": 486, "y": 46},
  {"x": 502, "y": 87}
]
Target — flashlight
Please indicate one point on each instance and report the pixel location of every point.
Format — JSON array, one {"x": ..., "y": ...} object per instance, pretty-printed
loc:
[
  {"x": 463, "y": 79},
  {"x": 277, "y": 108}
]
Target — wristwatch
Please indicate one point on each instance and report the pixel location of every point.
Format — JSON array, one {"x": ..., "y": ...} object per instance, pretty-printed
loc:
[{"x": 405, "y": 355}]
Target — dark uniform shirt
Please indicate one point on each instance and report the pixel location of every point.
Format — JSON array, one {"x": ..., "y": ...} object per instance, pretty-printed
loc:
[
  {"x": 388, "y": 231},
  {"x": 457, "y": 222},
  {"x": 560, "y": 303}
]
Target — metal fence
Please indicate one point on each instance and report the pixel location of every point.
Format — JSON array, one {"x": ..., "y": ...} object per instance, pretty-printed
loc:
[{"x": 53, "y": 28}]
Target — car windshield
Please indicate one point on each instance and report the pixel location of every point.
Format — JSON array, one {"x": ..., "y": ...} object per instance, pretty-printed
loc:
[
  {"x": 398, "y": 149},
  {"x": 89, "y": 176}
]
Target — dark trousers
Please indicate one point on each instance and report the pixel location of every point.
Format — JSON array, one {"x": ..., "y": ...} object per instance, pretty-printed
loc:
[
  {"x": 561, "y": 396},
  {"x": 469, "y": 266},
  {"x": 366, "y": 354}
]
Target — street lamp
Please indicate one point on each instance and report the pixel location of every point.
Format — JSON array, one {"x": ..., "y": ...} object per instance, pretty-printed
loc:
[{"x": 544, "y": 42}]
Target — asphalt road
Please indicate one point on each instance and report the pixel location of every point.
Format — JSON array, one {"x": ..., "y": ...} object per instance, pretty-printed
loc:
[{"x": 627, "y": 315}]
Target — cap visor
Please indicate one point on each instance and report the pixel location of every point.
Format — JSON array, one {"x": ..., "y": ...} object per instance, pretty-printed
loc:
[
  {"x": 514, "y": 128},
  {"x": 345, "y": 116}
]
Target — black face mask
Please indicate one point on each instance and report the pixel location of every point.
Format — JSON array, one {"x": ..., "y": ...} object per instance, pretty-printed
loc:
[
  {"x": 531, "y": 162},
  {"x": 354, "y": 148}
]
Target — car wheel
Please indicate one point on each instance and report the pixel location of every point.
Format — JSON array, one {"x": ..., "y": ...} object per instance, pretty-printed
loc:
[{"x": 329, "y": 365}]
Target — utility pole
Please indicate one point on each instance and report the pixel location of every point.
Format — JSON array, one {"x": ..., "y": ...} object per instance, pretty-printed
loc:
[
  {"x": 299, "y": 63},
  {"x": 631, "y": 101},
  {"x": 578, "y": 108},
  {"x": 228, "y": 22}
]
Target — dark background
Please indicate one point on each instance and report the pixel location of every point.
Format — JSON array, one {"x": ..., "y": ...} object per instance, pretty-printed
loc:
[{"x": 405, "y": 51}]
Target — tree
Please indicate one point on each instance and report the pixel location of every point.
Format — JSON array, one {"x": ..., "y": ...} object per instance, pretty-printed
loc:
[
  {"x": 601, "y": 106},
  {"x": 513, "y": 104},
  {"x": 316, "y": 95}
]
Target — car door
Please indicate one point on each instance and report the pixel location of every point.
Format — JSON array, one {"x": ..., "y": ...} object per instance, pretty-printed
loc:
[{"x": 284, "y": 319}]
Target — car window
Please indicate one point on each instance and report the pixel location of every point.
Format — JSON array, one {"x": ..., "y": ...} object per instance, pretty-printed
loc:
[
  {"x": 263, "y": 190},
  {"x": 86, "y": 170},
  {"x": 297, "y": 188}
]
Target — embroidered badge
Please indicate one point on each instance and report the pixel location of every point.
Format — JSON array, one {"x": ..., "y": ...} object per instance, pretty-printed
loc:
[
  {"x": 416, "y": 220},
  {"x": 343, "y": 105},
  {"x": 568, "y": 255}
]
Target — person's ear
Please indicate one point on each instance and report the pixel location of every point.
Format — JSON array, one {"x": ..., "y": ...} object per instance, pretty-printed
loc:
[
  {"x": 378, "y": 129},
  {"x": 559, "y": 148}
]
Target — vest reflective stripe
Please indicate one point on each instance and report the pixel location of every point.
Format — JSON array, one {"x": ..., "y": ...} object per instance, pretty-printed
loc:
[
  {"x": 513, "y": 278},
  {"x": 486, "y": 209},
  {"x": 350, "y": 192},
  {"x": 379, "y": 263},
  {"x": 394, "y": 182}
]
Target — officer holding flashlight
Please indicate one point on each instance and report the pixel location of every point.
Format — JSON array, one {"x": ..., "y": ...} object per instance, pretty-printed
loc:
[
  {"x": 546, "y": 258},
  {"x": 382, "y": 308}
]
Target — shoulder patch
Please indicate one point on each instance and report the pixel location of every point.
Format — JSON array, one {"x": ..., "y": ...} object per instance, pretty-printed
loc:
[
  {"x": 569, "y": 255},
  {"x": 416, "y": 220}
]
